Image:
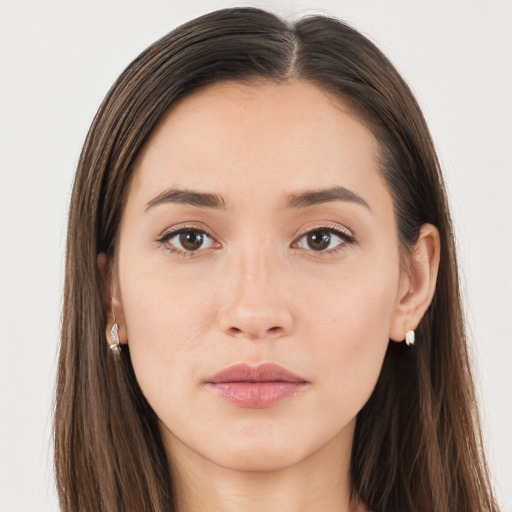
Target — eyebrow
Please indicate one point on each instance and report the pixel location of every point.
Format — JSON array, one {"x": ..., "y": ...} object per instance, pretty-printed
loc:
[
  {"x": 302, "y": 200},
  {"x": 181, "y": 196},
  {"x": 326, "y": 195}
]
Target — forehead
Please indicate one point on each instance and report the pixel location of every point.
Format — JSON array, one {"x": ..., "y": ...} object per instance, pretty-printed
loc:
[{"x": 232, "y": 138}]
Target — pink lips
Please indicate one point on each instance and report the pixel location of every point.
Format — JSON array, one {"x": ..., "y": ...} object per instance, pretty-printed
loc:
[{"x": 256, "y": 387}]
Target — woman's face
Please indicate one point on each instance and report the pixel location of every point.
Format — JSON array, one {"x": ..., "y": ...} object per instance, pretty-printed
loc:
[{"x": 257, "y": 229}]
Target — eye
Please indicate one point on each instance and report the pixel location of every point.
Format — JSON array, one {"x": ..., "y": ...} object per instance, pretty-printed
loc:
[
  {"x": 324, "y": 240},
  {"x": 187, "y": 240}
]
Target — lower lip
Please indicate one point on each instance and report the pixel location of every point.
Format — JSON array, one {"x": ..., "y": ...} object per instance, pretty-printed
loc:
[{"x": 256, "y": 394}]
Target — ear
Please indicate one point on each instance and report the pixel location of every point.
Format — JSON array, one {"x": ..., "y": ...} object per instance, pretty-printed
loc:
[
  {"x": 417, "y": 283},
  {"x": 112, "y": 303}
]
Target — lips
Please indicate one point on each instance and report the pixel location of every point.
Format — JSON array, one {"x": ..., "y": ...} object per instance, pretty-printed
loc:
[{"x": 256, "y": 387}]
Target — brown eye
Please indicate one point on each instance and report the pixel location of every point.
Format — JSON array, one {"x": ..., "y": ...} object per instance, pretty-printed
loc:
[
  {"x": 324, "y": 240},
  {"x": 191, "y": 240},
  {"x": 187, "y": 241},
  {"x": 318, "y": 240}
]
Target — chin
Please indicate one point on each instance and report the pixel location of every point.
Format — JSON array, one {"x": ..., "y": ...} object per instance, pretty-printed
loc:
[
  {"x": 269, "y": 447},
  {"x": 255, "y": 448},
  {"x": 258, "y": 458}
]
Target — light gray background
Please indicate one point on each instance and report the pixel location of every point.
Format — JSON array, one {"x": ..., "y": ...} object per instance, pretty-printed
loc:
[{"x": 57, "y": 60}]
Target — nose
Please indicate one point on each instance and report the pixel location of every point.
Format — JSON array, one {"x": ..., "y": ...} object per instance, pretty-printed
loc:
[{"x": 256, "y": 306}]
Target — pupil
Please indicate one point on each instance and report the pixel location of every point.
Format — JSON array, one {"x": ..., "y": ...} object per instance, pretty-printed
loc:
[
  {"x": 319, "y": 240},
  {"x": 191, "y": 240}
]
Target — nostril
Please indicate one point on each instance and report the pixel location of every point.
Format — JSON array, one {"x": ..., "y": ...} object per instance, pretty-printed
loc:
[{"x": 271, "y": 331}]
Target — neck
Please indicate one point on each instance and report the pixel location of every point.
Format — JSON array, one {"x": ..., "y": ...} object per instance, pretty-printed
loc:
[{"x": 319, "y": 482}]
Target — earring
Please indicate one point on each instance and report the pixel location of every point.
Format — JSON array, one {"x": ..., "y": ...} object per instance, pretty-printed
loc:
[
  {"x": 115, "y": 347},
  {"x": 409, "y": 337}
]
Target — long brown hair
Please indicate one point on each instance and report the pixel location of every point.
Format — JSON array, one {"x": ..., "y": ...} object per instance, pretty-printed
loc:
[{"x": 417, "y": 444}]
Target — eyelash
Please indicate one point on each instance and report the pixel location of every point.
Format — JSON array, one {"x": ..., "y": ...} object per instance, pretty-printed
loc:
[
  {"x": 331, "y": 229},
  {"x": 175, "y": 232},
  {"x": 345, "y": 236}
]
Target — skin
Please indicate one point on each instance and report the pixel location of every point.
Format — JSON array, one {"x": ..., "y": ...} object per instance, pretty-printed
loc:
[{"x": 256, "y": 291}]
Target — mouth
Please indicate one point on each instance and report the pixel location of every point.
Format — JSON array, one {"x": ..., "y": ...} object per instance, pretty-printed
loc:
[{"x": 256, "y": 387}]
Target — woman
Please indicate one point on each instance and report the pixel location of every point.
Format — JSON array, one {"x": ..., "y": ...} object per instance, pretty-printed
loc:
[{"x": 261, "y": 306}]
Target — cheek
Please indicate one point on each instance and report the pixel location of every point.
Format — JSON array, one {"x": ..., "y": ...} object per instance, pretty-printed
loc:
[
  {"x": 167, "y": 322},
  {"x": 351, "y": 334}
]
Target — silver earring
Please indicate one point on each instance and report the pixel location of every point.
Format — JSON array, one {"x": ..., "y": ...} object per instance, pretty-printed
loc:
[
  {"x": 409, "y": 338},
  {"x": 114, "y": 332}
]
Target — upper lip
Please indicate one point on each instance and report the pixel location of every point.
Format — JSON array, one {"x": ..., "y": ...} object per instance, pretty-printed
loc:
[{"x": 266, "y": 372}]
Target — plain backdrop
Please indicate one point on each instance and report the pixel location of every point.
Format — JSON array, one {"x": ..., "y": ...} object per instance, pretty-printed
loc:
[{"x": 57, "y": 60}]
